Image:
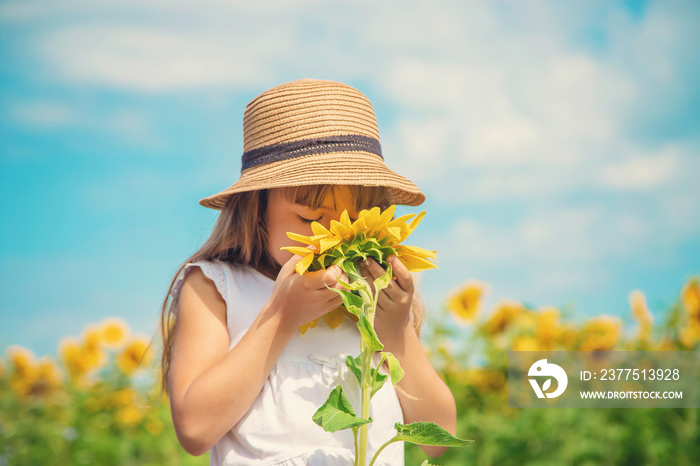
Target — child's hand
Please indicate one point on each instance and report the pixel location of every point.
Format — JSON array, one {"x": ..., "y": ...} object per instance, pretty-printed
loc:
[
  {"x": 394, "y": 303},
  {"x": 303, "y": 298}
]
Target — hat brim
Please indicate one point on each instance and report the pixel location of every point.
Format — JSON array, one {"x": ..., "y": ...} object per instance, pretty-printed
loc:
[{"x": 341, "y": 168}]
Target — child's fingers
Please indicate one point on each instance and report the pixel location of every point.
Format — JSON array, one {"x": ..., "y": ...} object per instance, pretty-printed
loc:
[
  {"x": 403, "y": 277},
  {"x": 322, "y": 278},
  {"x": 393, "y": 290},
  {"x": 288, "y": 267},
  {"x": 375, "y": 270},
  {"x": 334, "y": 302}
]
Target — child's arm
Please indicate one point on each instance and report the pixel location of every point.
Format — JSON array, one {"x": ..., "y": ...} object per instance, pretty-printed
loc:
[
  {"x": 422, "y": 393},
  {"x": 211, "y": 388}
]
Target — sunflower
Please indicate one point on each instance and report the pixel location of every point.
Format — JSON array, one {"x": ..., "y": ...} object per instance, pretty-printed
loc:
[
  {"x": 601, "y": 333},
  {"x": 114, "y": 332},
  {"x": 464, "y": 304},
  {"x": 374, "y": 234},
  {"x": 134, "y": 354}
]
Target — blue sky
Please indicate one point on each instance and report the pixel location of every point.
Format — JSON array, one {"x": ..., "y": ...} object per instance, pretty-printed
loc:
[{"x": 557, "y": 142}]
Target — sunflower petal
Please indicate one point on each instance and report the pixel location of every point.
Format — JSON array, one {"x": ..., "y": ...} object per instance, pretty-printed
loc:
[
  {"x": 298, "y": 250},
  {"x": 334, "y": 317},
  {"x": 328, "y": 243},
  {"x": 345, "y": 220},
  {"x": 416, "y": 251},
  {"x": 300, "y": 238},
  {"x": 319, "y": 229},
  {"x": 414, "y": 223},
  {"x": 417, "y": 264},
  {"x": 394, "y": 232},
  {"x": 359, "y": 225},
  {"x": 340, "y": 230},
  {"x": 303, "y": 265},
  {"x": 308, "y": 325},
  {"x": 387, "y": 215}
]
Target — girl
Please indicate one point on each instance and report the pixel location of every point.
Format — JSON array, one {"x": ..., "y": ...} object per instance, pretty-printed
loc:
[{"x": 246, "y": 360}]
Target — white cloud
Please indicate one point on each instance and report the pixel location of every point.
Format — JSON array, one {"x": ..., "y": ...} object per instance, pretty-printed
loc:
[
  {"x": 643, "y": 172},
  {"x": 150, "y": 59}
]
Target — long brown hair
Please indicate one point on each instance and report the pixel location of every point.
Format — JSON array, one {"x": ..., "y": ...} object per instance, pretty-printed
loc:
[{"x": 239, "y": 236}]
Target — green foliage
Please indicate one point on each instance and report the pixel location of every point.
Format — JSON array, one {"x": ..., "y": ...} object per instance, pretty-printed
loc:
[
  {"x": 337, "y": 413},
  {"x": 427, "y": 433},
  {"x": 369, "y": 335},
  {"x": 377, "y": 378},
  {"x": 395, "y": 370},
  {"x": 383, "y": 281},
  {"x": 76, "y": 426}
]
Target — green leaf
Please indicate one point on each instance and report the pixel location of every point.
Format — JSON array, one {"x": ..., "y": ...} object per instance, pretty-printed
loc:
[
  {"x": 377, "y": 382},
  {"x": 368, "y": 334},
  {"x": 427, "y": 433},
  {"x": 376, "y": 253},
  {"x": 352, "y": 303},
  {"x": 337, "y": 413},
  {"x": 355, "y": 366},
  {"x": 395, "y": 370},
  {"x": 426, "y": 463},
  {"x": 383, "y": 281},
  {"x": 351, "y": 269},
  {"x": 355, "y": 252},
  {"x": 357, "y": 285}
]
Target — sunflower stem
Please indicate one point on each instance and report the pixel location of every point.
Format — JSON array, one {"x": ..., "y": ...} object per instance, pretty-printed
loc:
[{"x": 366, "y": 357}]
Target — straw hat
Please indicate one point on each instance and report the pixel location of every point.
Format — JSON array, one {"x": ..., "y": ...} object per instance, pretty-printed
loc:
[{"x": 310, "y": 132}]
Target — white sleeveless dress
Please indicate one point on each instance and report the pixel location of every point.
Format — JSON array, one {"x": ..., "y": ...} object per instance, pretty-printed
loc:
[{"x": 278, "y": 430}]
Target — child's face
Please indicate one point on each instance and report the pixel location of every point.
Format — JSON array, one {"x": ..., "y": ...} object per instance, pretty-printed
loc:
[{"x": 284, "y": 215}]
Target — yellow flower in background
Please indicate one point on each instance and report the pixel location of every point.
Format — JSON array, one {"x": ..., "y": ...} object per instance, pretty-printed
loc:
[
  {"x": 114, "y": 332},
  {"x": 123, "y": 397},
  {"x": 666, "y": 344},
  {"x": 483, "y": 379},
  {"x": 526, "y": 320},
  {"x": 640, "y": 311},
  {"x": 547, "y": 329},
  {"x": 71, "y": 354},
  {"x": 689, "y": 335},
  {"x": 690, "y": 296},
  {"x": 92, "y": 346},
  {"x": 601, "y": 334},
  {"x": 506, "y": 312},
  {"x": 154, "y": 426},
  {"x": 30, "y": 377},
  {"x": 466, "y": 302},
  {"x": 134, "y": 354},
  {"x": 129, "y": 416},
  {"x": 48, "y": 372},
  {"x": 22, "y": 359},
  {"x": 525, "y": 343},
  {"x": 568, "y": 337}
]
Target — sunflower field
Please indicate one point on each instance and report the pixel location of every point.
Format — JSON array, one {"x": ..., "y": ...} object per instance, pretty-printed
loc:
[{"x": 98, "y": 401}]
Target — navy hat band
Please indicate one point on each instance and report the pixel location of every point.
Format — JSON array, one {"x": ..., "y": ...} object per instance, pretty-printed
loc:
[{"x": 302, "y": 147}]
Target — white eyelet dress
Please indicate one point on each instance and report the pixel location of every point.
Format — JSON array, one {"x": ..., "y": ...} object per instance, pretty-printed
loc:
[{"x": 277, "y": 429}]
